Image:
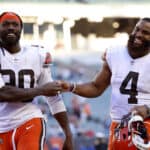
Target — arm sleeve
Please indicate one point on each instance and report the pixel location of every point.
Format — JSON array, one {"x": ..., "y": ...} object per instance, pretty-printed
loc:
[{"x": 55, "y": 103}]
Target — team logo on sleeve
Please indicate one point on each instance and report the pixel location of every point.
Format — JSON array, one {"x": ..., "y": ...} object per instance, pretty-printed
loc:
[{"x": 48, "y": 60}]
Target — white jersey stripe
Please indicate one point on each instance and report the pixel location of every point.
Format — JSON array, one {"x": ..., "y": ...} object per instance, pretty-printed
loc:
[
  {"x": 43, "y": 134},
  {"x": 13, "y": 139}
]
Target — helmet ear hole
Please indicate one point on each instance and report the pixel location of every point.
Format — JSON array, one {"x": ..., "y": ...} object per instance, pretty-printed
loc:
[{"x": 124, "y": 136}]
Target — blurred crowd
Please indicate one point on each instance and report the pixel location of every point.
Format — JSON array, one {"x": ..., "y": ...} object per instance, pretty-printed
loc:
[{"x": 84, "y": 125}]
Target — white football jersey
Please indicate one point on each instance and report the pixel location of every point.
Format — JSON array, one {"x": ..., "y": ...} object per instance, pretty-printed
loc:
[
  {"x": 130, "y": 81},
  {"x": 25, "y": 69}
]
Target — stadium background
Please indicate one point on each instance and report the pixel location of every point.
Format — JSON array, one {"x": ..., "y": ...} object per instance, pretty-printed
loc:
[{"x": 77, "y": 33}]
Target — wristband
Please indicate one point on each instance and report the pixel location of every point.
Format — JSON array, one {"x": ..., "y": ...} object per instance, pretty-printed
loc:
[{"x": 72, "y": 87}]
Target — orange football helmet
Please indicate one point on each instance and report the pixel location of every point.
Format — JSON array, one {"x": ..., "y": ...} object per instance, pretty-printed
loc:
[{"x": 132, "y": 134}]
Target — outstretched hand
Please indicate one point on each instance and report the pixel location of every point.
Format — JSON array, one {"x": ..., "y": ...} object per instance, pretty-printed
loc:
[
  {"x": 51, "y": 88},
  {"x": 64, "y": 85},
  {"x": 56, "y": 87}
]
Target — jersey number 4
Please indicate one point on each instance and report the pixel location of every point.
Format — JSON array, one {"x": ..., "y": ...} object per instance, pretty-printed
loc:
[{"x": 132, "y": 77}]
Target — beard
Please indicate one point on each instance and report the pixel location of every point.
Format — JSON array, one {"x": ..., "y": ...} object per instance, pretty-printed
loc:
[
  {"x": 138, "y": 48},
  {"x": 9, "y": 41}
]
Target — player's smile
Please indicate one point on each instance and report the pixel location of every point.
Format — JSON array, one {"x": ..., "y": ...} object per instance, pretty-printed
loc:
[
  {"x": 138, "y": 41},
  {"x": 11, "y": 35}
]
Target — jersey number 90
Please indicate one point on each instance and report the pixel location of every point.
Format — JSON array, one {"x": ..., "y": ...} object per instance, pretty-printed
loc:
[{"x": 21, "y": 77}]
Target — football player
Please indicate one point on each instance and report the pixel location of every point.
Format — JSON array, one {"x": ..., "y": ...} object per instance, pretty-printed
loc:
[
  {"x": 126, "y": 69},
  {"x": 24, "y": 74}
]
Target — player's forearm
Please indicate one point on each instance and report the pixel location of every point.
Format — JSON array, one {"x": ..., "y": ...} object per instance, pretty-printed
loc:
[
  {"x": 62, "y": 118},
  {"x": 89, "y": 90},
  {"x": 95, "y": 87},
  {"x": 63, "y": 121},
  {"x": 11, "y": 94}
]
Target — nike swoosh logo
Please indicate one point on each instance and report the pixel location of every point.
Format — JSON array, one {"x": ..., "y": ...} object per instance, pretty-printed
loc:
[{"x": 29, "y": 127}]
